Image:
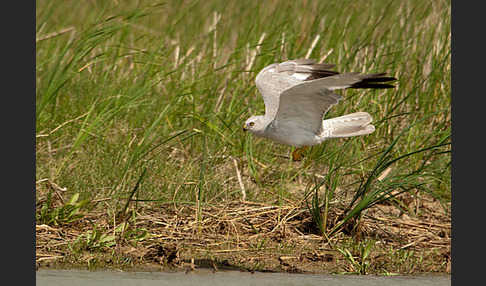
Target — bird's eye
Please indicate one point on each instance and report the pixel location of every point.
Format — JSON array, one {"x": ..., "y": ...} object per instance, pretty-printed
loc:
[{"x": 251, "y": 124}]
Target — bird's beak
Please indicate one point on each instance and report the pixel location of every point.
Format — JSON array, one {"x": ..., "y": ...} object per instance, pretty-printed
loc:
[{"x": 244, "y": 128}]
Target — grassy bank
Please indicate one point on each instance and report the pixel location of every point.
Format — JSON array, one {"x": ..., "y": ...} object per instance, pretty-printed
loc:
[{"x": 139, "y": 108}]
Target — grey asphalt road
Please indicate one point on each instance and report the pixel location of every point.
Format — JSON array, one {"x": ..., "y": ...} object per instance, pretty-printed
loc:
[{"x": 207, "y": 278}]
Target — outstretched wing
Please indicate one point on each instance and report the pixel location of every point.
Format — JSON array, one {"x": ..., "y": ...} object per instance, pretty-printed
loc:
[
  {"x": 299, "y": 92},
  {"x": 276, "y": 78},
  {"x": 303, "y": 106}
]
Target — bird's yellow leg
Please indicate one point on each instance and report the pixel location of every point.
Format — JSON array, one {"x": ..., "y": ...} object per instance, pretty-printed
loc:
[{"x": 298, "y": 153}]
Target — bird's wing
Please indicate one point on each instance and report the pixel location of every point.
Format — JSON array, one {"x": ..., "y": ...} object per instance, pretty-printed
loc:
[
  {"x": 276, "y": 78},
  {"x": 303, "y": 106},
  {"x": 354, "y": 80}
]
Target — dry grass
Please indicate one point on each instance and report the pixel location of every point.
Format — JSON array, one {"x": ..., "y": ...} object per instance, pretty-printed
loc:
[{"x": 251, "y": 236}]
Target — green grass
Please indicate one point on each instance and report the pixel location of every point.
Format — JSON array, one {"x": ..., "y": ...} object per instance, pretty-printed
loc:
[{"x": 127, "y": 90}]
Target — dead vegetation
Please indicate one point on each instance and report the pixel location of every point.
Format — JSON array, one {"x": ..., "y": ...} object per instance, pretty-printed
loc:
[{"x": 249, "y": 236}]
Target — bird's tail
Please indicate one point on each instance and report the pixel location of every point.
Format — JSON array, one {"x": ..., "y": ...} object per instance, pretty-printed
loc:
[{"x": 354, "y": 124}]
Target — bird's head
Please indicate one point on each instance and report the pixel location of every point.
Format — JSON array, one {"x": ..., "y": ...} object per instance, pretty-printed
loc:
[{"x": 255, "y": 124}]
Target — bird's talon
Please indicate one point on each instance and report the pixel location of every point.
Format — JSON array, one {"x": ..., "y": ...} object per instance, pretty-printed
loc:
[{"x": 297, "y": 154}]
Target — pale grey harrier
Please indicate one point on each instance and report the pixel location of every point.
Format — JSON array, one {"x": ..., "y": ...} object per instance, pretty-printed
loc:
[{"x": 297, "y": 94}]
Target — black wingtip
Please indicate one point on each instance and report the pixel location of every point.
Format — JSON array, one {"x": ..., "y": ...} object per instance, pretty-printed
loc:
[
  {"x": 372, "y": 85},
  {"x": 375, "y": 82}
]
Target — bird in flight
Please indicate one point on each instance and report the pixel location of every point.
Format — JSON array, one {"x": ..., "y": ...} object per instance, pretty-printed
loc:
[{"x": 298, "y": 93}]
